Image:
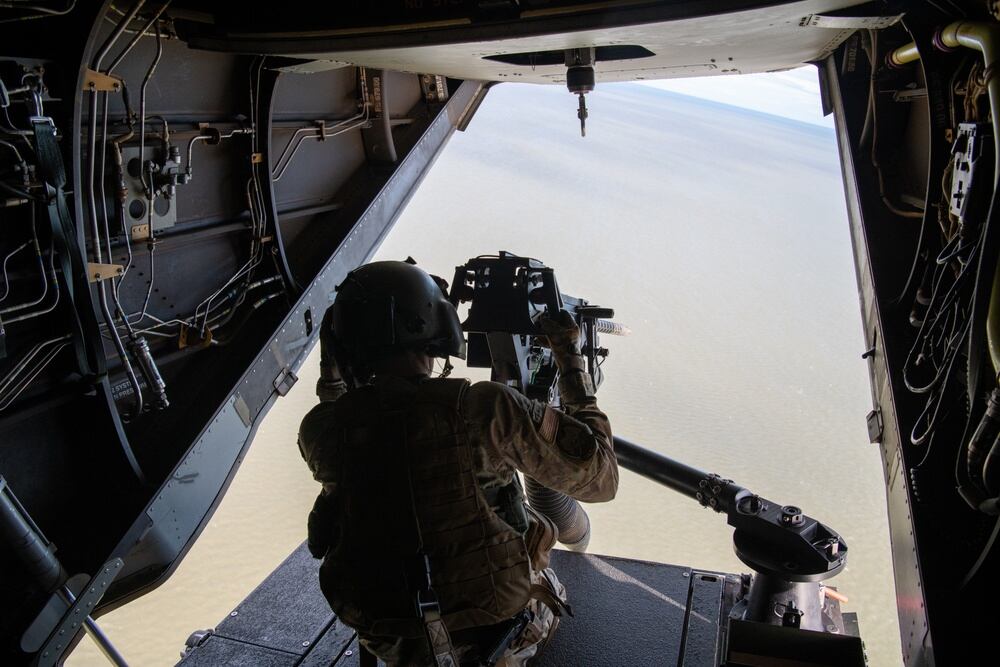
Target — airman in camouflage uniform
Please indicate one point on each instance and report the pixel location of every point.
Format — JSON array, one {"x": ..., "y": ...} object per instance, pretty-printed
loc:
[{"x": 413, "y": 469}]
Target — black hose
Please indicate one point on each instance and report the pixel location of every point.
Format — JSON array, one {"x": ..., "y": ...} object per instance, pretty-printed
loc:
[
  {"x": 983, "y": 439},
  {"x": 565, "y": 512}
]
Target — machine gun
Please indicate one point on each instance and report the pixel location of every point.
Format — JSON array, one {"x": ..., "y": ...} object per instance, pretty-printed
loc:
[
  {"x": 508, "y": 294},
  {"x": 790, "y": 552}
]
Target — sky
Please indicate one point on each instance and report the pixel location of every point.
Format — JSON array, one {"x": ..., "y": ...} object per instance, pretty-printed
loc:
[{"x": 793, "y": 94}]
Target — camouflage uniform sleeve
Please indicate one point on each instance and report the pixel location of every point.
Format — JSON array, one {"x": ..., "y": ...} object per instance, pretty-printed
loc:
[
  {"x": 321, "y": 523},
  {"x": 568, "y": 451}
]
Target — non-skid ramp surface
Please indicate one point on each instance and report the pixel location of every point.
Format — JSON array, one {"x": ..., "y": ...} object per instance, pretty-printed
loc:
[{"x": 627, "y": 612}]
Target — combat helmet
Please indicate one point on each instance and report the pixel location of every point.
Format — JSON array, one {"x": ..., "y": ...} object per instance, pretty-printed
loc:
[{"x": 383, "y": 307}]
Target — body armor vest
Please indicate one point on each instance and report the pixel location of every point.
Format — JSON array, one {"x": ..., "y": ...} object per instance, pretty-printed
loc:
[{"x": 406, "y": 487}]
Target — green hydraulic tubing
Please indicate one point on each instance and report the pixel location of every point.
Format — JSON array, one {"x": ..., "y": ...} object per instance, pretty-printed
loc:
[{"x": 904, "y": 54}]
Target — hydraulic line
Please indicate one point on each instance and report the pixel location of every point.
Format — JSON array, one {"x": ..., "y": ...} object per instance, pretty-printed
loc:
[
  {"x": 296, "y": 140},
  {"x": 7, "y": 380},
  {"x": 6, "y": 282},
  {"x": 22, "y": 384},
  {"x": 246, "y": 316},
  {"x": 95, "y": 227},
  {"x": 905, "y": 54},
  {"x": 142, "y": 120},
  {"x": 118, "y": 161},
  {"x": 135, "y": 40},
  {"x": 213, "y": 138},
  {"x": 98, "y": 255},
  {"x": 55, "y": 300},
  {"x": 45, "y": 279},
  {"x": 104, "y": 216},
  {"x": 116, "y": 34}
]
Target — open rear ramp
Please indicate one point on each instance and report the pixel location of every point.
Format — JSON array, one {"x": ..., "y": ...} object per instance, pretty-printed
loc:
[{"x": 627, "y": 612}]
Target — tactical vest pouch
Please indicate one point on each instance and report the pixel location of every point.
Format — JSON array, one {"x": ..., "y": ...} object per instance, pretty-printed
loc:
[{"x": 509, "y": 501}]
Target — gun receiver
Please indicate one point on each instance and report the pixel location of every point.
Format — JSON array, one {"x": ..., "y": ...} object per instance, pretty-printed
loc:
[{"x": 507, "y": 295}]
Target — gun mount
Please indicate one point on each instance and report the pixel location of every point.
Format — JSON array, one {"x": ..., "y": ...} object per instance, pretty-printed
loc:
[{"x": 790, "y": 551}]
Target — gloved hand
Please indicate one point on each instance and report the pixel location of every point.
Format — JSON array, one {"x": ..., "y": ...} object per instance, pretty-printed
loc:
[{"x": 564, "y": 336}]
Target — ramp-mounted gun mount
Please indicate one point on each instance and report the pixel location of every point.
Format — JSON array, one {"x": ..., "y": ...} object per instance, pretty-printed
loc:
[
  {"x": 508, "y": 294},
  {"x": 790, "y": 552}
]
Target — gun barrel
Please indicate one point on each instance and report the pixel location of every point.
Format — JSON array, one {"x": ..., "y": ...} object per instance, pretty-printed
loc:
[
  {"x": 612, "y": 328},
  {"x": 709, "y": 490}
]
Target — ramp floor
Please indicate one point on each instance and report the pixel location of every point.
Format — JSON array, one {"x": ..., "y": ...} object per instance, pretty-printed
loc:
[{"x": 627, "y": 612}]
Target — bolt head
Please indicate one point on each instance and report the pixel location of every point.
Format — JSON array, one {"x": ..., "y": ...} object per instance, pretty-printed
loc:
[{"x": 791, "y": 516}]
